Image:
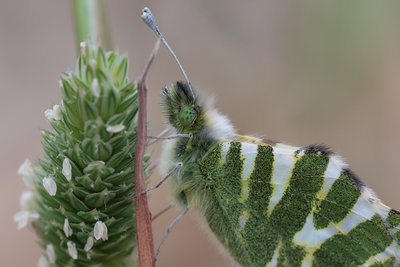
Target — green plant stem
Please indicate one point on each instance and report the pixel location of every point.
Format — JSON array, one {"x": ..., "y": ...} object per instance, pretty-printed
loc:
[{"x": 91, "y": 22}]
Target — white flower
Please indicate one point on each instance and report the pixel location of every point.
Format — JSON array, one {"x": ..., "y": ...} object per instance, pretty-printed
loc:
[
  {"x": 25, "y": 170},
  {"x": 42, "y": 262},
  {"x": 50, "y": 185},
  {"x": 100, "y": 231},
  {"x": 54, "y": 113},
  {"x": 51, "y": 254},
  {"x": 95, "y": 87},
  {"x": 67, "y": 169},
  {"x": 24, "y": 218},
  {"x": 25, "y": 199},
  {"x": 89, "y": 244},
  {"x": 115, "y": 128},
  {"x": 67, "y": 228},
  {"x": 72, "y": 250}
]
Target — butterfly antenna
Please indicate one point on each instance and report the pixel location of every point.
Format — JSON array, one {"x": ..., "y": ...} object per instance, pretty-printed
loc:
[{"x": 149, "y": 19}]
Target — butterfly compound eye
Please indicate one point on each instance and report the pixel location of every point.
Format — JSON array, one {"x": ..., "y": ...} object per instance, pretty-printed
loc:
[{"x": 187, "y": 116}]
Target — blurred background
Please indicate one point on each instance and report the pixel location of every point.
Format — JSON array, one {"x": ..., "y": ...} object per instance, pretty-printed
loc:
[{"x": 299, "y": 72}]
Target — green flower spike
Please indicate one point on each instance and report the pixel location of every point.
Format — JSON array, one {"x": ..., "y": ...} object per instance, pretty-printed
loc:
[{"x": 81, "y": 202}]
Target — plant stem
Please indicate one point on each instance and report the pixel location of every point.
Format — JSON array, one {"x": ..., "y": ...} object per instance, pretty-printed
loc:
[
  {"x": 91, "y": 22},
  {"x": 143, "y": 215}
]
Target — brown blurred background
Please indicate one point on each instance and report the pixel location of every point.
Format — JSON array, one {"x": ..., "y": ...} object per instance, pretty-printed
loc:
[{"x": 295, "y": 71}]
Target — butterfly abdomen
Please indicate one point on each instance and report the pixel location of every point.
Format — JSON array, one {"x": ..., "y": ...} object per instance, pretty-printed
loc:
[{"x": 281, "y": 205}]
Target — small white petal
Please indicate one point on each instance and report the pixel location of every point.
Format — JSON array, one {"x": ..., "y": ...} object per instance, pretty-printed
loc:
[
  {"x": 67, "y": 228},
  {"x": 50, "y": 185},
  {"x": 25, "y": 170},
  {"x": 57, "y": 112},
  {"x": 54, "y": 113},
  {"x": 24, "y": 218},
  {"x": 21, "y": 218},
  {"x": 82, "y": 45},
  {"x": 42, "y": 262},
  {"x": 49, "y": 114},
  {"x": 95, "y": 87},
  {"x": 100, "y": 231},
  {"x": 115, "y": 128},
  {"x": 72, "y": 250},
  {"x": 67, "y": 169},
  {"x": 51, "y": 254},
  {"x": 26, "y": 199},
  {"x": 89, "y": 244}
]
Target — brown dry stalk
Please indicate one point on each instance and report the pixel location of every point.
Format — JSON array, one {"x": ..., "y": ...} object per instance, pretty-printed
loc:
[{"x": 143, "y": 216}]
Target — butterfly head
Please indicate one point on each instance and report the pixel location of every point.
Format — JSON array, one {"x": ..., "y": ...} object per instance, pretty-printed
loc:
[{"x": 181, "y": 107}]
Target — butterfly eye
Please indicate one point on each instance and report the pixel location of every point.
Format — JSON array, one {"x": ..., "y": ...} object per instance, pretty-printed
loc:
[{"x": 187, "y": 115}]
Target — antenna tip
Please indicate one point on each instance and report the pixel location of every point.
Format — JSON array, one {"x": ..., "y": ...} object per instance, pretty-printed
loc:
[
  {"x": 145, "y": 10},
  {"x": 147, "y": 15},
  {"x": 148, "y": 18}
]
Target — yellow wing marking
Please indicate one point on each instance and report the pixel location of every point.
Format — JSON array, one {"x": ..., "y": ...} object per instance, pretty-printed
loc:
[{"x": 249, "y": 139}]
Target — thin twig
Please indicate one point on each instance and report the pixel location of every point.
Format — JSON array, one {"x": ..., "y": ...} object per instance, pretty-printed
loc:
[{"x": 143, "y": 215}]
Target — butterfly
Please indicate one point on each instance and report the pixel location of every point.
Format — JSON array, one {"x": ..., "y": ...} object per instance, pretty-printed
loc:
[{"x": 271, "y": 204}]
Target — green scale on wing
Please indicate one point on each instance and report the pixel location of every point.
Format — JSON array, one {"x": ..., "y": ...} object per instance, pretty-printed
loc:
[{"x": 273, "y": 204}]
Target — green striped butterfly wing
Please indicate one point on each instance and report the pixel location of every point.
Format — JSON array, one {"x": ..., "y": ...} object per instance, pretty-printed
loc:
[
  {"x": 286, "y": 206},
  {"x": 273, "y": 204}
]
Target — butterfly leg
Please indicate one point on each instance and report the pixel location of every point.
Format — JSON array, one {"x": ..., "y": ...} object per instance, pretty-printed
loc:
[
  {"x": 170, "y": 137},
  {"x": 161, "y": 212},
  {"x": 175, "y": 169},
  {"x": 157, "y": 138},
  {"x": 169, "y": 230}
]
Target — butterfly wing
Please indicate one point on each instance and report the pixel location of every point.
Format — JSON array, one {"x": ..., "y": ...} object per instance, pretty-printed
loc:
[{"x": 284, "y": 205}]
